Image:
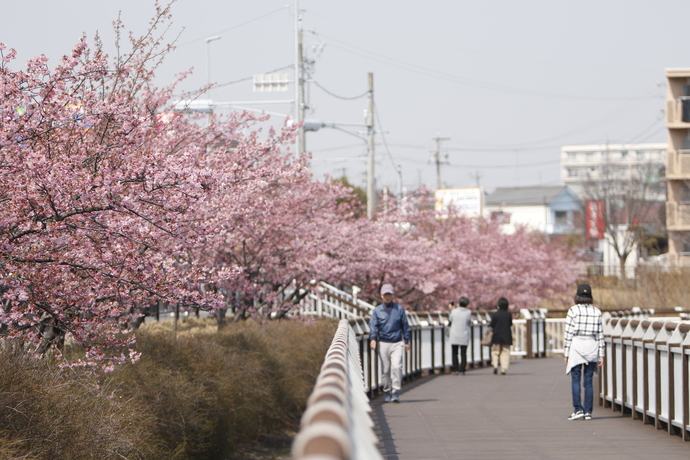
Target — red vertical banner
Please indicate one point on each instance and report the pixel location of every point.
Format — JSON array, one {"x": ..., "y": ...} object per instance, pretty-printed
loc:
[{"x": 594, "y": 219}]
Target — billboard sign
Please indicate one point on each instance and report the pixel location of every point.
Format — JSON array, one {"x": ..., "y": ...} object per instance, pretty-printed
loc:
[
  {"x": 465, "y": 202},
  {"x": 595, "y": 222}
]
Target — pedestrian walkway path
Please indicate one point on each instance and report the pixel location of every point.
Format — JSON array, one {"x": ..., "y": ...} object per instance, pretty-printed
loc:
[{"x": 521, "y": 415}]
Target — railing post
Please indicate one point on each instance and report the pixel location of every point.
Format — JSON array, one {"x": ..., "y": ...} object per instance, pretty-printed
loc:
[
  {"x": 443, "y": 348},
  {"x": 528, "y": 338},
  {"x": 685, "y": 349},
  {"x": 624, "y": 367},
  {"x": 433, "y": 351}
]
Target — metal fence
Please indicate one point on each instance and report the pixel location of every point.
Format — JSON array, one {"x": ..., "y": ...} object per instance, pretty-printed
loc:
[
  {"x": 646, "y": 373},
  {"x": 430, "y": 349},
  {"x": 337, "y": 423}
]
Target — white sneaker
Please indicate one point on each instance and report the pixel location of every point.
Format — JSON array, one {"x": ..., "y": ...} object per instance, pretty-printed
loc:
[
  {"x": 588, "y": 416},
  {"x": 577, "y": 415}
]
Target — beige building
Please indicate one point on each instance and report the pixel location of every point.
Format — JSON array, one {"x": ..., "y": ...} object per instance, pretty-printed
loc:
[{"x": 678, "y": 165}]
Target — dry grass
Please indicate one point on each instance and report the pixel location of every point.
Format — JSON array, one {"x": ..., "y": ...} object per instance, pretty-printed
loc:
[
  {"x": 651, "y": 290},
  {"x": 199, "y": 394},
  {"x": 46, "y": 414}
]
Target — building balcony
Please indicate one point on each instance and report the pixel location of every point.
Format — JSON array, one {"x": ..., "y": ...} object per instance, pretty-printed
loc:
[
  {"x": 678, "y": 164},
  {"x": 678, "y": 216},
  {"x": 679, "y": 260},
  {"x": 678, "y": 113}
]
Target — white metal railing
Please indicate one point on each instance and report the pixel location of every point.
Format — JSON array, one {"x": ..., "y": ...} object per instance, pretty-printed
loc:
[
  {"x": 554, "y": 328},
  {"x": 646, "y": 372},
  {"x": 341, "y": 423},
  {"x": 330, "y": 291},
  {"x": 431, "y": 351},
  {"x": 326, "y": 300},
  {"x": 337, "y": 422}
]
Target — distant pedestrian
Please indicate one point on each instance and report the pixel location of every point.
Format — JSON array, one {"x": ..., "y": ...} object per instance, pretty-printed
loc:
[
  {"x": 389, "y": 327},
  {"x": 501, "y": 325},
  {"x": 584, "y": 349},
  {"x": 459, "y": 326}
]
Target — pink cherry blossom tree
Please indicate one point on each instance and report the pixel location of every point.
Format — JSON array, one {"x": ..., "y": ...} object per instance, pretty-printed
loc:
[
  {"x": 99, "y": 196},
  {"x": 437, "y": 260},
  {"x": 111, "y": 200}
]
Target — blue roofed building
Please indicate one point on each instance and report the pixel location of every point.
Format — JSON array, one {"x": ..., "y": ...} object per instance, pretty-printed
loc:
[{"x": 553, "y": 210}]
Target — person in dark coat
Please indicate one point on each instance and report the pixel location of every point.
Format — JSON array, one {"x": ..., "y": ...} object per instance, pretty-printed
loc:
[{"x": 501, "y": 324}]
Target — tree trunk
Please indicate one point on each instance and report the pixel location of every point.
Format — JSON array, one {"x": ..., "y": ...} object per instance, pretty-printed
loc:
[{"x": 220, "y": 318}]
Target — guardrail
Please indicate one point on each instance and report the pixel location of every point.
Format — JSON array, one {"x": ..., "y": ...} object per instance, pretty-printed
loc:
[
  {"x": 645, "y": 359},
  {"x": 337, "y": 422},
  {"x": 326, "y": 300},
  {"x": 647, "y": 373},
  {"x": 431, "y": 352}
]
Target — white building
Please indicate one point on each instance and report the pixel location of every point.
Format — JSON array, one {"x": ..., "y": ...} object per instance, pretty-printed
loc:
[
  {"x": 582, "y": 164},
  {"x": 551, "y": 210}
]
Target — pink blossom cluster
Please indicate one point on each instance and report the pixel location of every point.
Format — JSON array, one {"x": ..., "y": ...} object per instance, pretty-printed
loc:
[{"x": 113, "y": 201}]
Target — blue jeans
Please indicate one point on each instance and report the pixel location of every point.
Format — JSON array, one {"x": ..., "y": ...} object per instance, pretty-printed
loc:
[{"x": 575, "y": 375}]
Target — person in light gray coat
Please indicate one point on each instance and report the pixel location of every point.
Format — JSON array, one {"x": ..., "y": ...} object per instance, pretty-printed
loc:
[{"x": 459, "y": 326}]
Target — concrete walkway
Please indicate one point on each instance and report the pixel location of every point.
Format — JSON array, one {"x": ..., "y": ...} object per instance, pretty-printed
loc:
[{"x": 521, "y": 415}]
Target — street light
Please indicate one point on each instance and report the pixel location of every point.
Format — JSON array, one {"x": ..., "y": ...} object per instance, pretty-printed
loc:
[{"x": 208, "y": 56}]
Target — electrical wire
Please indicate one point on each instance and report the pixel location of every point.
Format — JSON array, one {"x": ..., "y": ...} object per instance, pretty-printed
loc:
[
  {"x": 383, "y": 138},
  {"x": 488, "y": 166},
  {"x": 416, "y": 39},
  {"x": 482, "y": 149},
  {"x": 636, "y": 137},
  {"x": 335, "y": 95},
  {"x": 470, "y": 82},
  {"x": 282, "y": 8},
  {"x": 250, "y": 78}
]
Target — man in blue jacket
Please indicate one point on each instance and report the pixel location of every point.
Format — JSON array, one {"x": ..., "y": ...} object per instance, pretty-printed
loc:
[{"x": 388, "y": 326}]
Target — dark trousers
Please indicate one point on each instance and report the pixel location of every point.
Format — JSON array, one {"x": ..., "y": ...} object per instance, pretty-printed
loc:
[{"x": 463, "y": 358}]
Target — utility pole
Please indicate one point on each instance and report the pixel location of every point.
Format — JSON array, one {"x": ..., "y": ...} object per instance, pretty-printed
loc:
[
  {"x": 476, "y": 175},
  {"x": 437, "y": 156},
  {"x": 208, "y": 57},
  {"x": 299, "y": 80},
  {"x": 371, "y": 189}
]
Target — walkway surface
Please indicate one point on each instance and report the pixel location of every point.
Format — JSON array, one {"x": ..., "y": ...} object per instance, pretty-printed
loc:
[{"x": 521, "y": 415}]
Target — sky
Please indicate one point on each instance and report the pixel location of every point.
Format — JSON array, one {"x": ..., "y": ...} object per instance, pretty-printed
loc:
[{"x": 503, "y": 84}]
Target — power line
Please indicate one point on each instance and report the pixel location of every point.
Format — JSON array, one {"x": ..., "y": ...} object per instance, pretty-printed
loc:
[
  {"x": 250, "y": 78},
  {"x": 335, "y": 95},
  {"x": 450, "y": 77},
  {"x": 235, "y": 26},
  {"x": 482, "y": 149},
  {"x": 383, "y": 138},
  {"x": 569, "y": 65},
  {"x": 486, "y": 166}
]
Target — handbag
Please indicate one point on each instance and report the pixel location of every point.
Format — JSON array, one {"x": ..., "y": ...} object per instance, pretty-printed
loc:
[{"x": 488, "y": 336}]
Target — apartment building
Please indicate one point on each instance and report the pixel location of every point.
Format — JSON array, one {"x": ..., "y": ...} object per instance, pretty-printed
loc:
[
  {"x": 678, "y": 165},
  {"x": 587, "y": 167}
]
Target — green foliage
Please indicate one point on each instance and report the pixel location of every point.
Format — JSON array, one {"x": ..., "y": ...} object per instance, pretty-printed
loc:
[
  {"x": 359, "y": 192},
  {"x": 200, "y": 394}
]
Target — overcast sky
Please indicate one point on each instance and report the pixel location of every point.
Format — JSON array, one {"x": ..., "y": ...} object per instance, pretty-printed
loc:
[{"x": 506, "y": 82}]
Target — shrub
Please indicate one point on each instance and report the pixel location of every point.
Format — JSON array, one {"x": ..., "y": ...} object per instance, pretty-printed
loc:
[
  {"x": 46, "y": 414},
  {"x": 198, "y": 394}
]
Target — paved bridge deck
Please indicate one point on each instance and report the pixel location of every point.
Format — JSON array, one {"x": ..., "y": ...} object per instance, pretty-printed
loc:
[{"x": 521, "y": 415}]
